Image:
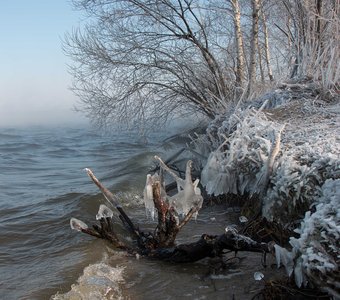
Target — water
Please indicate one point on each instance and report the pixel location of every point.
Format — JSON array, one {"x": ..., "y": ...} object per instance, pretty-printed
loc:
[{"x": 43, "y": 185}]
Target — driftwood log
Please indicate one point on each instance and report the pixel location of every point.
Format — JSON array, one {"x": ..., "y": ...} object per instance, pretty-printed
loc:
[{"x": 160, "y": 244}]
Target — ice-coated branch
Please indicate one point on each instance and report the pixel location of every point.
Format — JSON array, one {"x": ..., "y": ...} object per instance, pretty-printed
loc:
[
  {"x": 110, "y": 198},
  {"x": 180, "y": 182}
]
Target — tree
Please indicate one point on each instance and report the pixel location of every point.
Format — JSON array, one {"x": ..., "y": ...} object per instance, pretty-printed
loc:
[
  {"x": 266, "y": 43},
  {"x": 254, "y": 43},
  {"x": 146, "y": 61},
  {"x": 239, "y": 42}
]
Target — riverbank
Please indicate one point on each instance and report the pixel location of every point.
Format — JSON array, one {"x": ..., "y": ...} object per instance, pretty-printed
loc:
[{"x": 281, "y": 153}]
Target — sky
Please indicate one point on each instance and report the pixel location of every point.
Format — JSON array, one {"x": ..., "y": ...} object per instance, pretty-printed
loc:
[{"x": 34, "y": 81}]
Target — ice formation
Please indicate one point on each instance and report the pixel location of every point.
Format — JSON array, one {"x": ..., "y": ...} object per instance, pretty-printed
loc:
[
  {"x": 77, "y": 224},
  {"x": 148, "y": 197},
  {"x": 258, "y": 276},
  {"x": 104, "y": 212},
  {"x": 188, "y": 196}
]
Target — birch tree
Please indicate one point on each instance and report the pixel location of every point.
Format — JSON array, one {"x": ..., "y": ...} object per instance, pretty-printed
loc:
[
  {"x": 253, "y": 44},
  {"x": 266, "y": 43},
  {"x": 239, "y": 43}
]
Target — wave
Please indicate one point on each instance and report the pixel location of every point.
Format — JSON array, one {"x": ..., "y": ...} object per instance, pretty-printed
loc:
[{"x": 98, "y": 281}]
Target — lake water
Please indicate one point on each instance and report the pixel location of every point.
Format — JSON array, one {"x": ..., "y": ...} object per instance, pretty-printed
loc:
[{"x": 43, "y": 185}]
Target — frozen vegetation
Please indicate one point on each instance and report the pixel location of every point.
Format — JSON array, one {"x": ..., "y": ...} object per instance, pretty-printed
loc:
[
  {"x": 285, "y": 148},
  {"x": 315, "y": 255}
]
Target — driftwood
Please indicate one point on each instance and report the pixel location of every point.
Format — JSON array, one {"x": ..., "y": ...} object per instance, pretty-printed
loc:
[{"x": 161, "y": 243}]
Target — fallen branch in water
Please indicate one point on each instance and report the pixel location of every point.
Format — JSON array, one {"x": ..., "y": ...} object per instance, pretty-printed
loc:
[{"x": 161, "y": 243}]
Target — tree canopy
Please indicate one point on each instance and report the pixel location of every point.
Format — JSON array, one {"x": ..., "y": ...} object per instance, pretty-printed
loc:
[{"x": 143, "y": 62}]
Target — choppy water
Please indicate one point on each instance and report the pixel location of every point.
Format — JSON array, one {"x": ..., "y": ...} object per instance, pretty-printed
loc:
[{"x": 43, "y": 185}]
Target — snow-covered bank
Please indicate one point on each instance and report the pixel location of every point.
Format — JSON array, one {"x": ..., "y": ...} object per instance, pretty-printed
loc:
[{"x": 285, "y": 148}]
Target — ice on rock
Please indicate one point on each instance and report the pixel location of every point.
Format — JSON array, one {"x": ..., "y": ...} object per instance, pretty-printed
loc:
[
  {"x": 148, "y": 197},
  {"x": 104, "y": 212},
  {"x": 77, "y": 224}
]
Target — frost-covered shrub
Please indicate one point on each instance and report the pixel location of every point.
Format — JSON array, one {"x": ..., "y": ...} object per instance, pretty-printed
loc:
[
  {"x": 315, "y": 255},
  {"x": 285, "y": 171},
  {"x": 294, "y": 184},
  {"x": 239, "y": 164}
]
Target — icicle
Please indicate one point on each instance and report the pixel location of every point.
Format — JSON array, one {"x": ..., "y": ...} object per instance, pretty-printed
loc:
[
  {"x": 148, "y": 197},
  {"x": 77, "y": 224}
]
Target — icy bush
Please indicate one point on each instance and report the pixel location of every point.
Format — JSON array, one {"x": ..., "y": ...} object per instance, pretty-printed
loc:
[
  {"x": 315, "y": 255},
  {"x": 240, "y": 162},
  {"x": 286, "y": 170}
]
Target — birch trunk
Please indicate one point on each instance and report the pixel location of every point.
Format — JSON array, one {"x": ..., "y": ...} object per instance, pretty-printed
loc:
[
  {"x": 266, "y": 45},
  {"x": 254, "y": 42},
  {"x": 260, "y": 61},
  {"x": 239, "y": 43}
]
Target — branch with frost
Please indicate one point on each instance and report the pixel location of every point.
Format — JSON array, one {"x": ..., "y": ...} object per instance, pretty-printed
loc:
[
  {"x": 161, "y": 243},
  {"x": 111, "y": 199}
]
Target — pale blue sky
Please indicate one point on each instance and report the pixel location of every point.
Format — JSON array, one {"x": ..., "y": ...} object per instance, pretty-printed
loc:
[{"x": 34, "y": 83}]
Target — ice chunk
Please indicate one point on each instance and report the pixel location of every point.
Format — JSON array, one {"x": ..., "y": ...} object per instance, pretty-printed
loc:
[
  {"x": 258, "y": 276},
  {"x": 104, "y": 212},
  {"x": 285, "y": 257},
  {"x": 243, "y": 219},
  {"x": 189, "y": 195},
  {"x": 148, "y": 197},
  {"x": 77, "y": 224}
]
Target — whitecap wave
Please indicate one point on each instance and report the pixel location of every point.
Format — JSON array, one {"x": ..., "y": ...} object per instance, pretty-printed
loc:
[{"x": 98, "y": 281}]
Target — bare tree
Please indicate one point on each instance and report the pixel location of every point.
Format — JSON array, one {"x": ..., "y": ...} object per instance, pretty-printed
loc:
[
  {"x": 143, "y": 62},
  {"x": 147, "y": 60}
]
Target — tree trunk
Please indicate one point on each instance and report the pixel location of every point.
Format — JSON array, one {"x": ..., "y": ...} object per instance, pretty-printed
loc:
[
  {"x": 239, "y": 43},
  {"x": 260, "y": 61},
  {"x": 254, "y": 42},
  {"x": 266, "y": 45}
]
